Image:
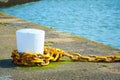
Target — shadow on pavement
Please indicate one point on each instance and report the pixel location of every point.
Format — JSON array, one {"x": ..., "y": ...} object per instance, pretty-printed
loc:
[{"x": 6, "y": 63}]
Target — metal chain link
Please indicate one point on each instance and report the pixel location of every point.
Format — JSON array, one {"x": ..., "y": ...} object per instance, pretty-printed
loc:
[{"x": 54, "y": 54}]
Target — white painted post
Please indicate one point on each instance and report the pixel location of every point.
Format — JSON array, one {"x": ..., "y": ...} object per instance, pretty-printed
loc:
[{"x": 30, "y": 40}]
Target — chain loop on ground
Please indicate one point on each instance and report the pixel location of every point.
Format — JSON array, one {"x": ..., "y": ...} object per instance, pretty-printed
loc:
[{"x": 54, "y": 54}]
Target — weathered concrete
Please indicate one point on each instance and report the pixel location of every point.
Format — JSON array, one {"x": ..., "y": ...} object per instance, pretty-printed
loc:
[
  {"x": 7, "y": 3},
  {"x": 63, "y": 70}
]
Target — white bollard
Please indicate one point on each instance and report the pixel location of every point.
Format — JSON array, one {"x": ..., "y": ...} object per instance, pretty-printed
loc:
[{"x": 30, "y": 40}]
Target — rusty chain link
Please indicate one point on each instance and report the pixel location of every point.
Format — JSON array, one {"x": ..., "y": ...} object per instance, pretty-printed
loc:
[{"x": 54, "y": 54}]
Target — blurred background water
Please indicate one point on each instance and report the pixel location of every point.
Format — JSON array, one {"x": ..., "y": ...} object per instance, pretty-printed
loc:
[{"x": 97, "y": 20}]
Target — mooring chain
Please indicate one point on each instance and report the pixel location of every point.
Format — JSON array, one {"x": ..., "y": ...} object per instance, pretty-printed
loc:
[{"x": 54, "y": 54}]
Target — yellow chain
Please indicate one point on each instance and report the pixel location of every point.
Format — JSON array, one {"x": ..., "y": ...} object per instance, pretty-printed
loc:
[{"x": 54, "y": 54}]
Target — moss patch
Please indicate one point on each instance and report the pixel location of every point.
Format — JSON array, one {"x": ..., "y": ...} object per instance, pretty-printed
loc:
[
  {"x": 50, "y": 66},
  {"x": 104, "y": 65}
]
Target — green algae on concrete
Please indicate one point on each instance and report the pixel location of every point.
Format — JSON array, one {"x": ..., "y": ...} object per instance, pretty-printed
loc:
[{"x": 52, "y": 65}]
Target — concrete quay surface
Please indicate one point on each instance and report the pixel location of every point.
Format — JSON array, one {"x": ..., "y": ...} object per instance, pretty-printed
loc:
[{"x": 62, "y": 70}]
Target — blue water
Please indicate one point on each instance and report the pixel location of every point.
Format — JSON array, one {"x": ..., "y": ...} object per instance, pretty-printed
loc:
[{"x": 98, "y": 20}]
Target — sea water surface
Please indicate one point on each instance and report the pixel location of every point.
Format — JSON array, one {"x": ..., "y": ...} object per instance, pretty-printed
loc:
[{"x": 98, "y": 20}]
